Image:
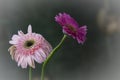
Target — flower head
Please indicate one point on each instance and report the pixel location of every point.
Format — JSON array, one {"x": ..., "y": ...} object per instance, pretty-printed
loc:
[
  {"x": 29, "y": 47},
  {"x": 71, "y": 27}
]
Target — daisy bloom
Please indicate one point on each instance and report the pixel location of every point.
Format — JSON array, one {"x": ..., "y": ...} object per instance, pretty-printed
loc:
[
  {"x": 71, "y": 27},
  {"x": 29, "y": 47}
]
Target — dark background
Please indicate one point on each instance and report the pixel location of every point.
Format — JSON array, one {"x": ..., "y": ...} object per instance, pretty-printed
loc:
[{"x": 97, "y": 59}]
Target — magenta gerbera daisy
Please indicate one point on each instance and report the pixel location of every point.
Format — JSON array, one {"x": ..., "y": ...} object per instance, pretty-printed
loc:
[
  {"x": 29, "y": 47},
  {"x": 71, "y": 27}
]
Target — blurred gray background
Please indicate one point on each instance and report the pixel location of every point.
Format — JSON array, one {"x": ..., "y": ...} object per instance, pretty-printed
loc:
[{"x": 97, "y": 59}]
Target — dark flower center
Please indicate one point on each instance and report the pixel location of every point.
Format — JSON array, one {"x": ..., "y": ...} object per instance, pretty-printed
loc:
[
  {"x": 29, "y": 43},
  {"x": 71, "y": 28}
]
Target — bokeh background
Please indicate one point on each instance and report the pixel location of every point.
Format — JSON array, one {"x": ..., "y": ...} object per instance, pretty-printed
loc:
[{"x": 97, "y": 59}]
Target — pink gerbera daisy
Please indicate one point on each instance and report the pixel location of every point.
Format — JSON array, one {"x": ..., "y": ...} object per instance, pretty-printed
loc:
[{"x": 30, "y": 47}]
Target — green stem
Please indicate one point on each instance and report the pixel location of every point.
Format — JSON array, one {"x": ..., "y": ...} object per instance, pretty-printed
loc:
[
  {"x": 30, "y": 73},
  {"x": 51, "y": 54}
]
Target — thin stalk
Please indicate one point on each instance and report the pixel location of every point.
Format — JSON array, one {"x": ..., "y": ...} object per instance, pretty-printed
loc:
[
  {"x": 30, "y": 73},
  {"x": 50, "y": 56}
]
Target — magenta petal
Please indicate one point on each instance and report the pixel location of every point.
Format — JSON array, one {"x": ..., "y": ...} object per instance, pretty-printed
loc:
[
  {"x": 65, "y": 19},
  {"x": 81, "y": 34},
  {"x": 69, "y": 32}
]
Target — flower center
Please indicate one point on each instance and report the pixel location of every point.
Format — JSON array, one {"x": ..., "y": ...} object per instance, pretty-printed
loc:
[
  {"x": 71, "y": 28},
  {"x": 29, "y": 43}
]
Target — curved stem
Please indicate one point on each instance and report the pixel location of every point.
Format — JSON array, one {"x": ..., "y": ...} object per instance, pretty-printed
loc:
[
  {"x": 51, "y": 54},
  {"x": 30, "y": 73}
]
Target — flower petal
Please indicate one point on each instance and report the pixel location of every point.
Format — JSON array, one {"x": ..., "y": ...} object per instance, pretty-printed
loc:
[
  {"x": 24, "y": 63},
  {"x": 42, "y": 53},
  {"x": 65, "y": 19},
  {"x": 81, "y": 34},
  {"x": 30, "y": 61},
  {"x": 13, "y": 42},
  {"x": 12, "y": 50},
  {"x": 21, "y": 60},
  {"x": 38, "y": 58},
  {"x": 20, "y": 33},
  {"x": 29, "y": 29}
]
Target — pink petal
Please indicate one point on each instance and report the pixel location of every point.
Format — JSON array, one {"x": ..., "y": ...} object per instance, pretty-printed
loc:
[
  {"x": 21, "y": 60},
  {"x": 20, "y": 33},
  {"x": 24, "y": 63},
  {"x": 38, "y": 58},
  {"x": 15, "y": 37},
  {"x": 29, "y": 29},
  {"x": 13, "y": 42},
  {"x": 42, "y": 53},
  {"x": 30, "y": 61}
]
